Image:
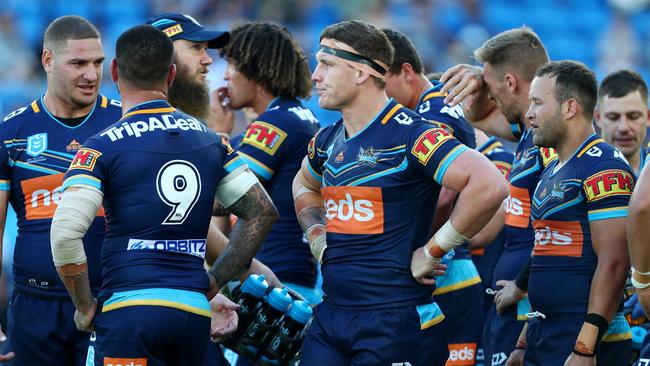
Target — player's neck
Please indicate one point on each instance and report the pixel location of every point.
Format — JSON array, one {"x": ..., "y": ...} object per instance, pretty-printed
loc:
[
  {"x": 133, "y": 97},
  {"x": 574, "y": 140},
  {"x": 261, "y": 102},
  {"x": 60, "y": 108},
  {"x": 362, "y": 111},
  {"x": 422, "y": 84},
  {"x": 634, "y": 160}
]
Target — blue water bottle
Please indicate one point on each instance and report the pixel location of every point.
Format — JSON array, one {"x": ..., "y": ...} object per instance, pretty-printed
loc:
[
  {"x": 287, "y": 341},
  {"x": 250, "y": 297},
  {"x": 257, "y": 333}
]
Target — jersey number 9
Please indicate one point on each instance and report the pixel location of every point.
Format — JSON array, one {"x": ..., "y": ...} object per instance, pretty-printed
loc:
[{"x": 179, "y": 186}]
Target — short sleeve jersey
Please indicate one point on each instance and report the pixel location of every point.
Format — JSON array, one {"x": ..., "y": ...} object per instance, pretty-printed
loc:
[
  {"x": 379, "y": 189},
  {"x": 35, "y": 152},
  {"x": 595, "y": 184},
  {"x": 274, "y": 146},
  {"x": 158, "y": 169}
]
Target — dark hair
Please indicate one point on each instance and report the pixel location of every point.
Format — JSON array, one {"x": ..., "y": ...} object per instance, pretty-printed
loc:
[
  {"x": 364, "y": 37},
  {"x": 144, "y": 54},
  {"x": 519, "y": 49},
  {"x": 267, "y": 54},
  {"x": 69, "y": 27},
  {"x": 573, "y": 80},
  {"x": 621, "y": 83},
  {"x": 404, "y": 52}
]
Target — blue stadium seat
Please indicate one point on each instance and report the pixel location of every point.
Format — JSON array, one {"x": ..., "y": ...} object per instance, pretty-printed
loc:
[{"x": 500, "y": 17}]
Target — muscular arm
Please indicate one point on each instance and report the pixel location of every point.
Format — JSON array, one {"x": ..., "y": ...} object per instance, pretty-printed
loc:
[
  {"x": 309, "y": 209},
  {"x": 486, "y": 236},
  {"x": 609, "y": 243},
  {"x": 256, "y": 215},
  {"x": 74, "y": 215},
  {"x": 638, "y": 230},
  {"x": 482, "y": 190}
]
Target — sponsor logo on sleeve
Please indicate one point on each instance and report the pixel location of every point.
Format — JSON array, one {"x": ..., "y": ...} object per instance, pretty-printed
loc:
[
  {"x": 558, "y": 238},
  {"x": 517, "y": 207},
  {"x": 85, "y": 159},
  {"x": 264, "y": 136},
  {"x": 354, "y": 210},
  {"x": 428, "y": 142},
  {"x": 611, "y": 182}
]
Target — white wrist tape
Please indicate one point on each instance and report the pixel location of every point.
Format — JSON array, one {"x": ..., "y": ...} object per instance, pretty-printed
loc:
[
  {"x": 76, "y": 212},
  {"x": 318, "y": 244},
  {"x": 428, "y": 256},
  {"x": 448, "y": 237},
  {"x": 636, "y": 283},
  {"x": 234, "y": 185}
]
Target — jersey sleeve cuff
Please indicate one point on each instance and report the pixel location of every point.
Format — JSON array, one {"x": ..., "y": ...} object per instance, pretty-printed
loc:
[
  {"x": 5, "y": 185},
  {"x": 446, "y": 162},
  {"x": 607, "y": 213},
  {"x": 82, "y": 180},
  {"x": 259, "y": 168}
]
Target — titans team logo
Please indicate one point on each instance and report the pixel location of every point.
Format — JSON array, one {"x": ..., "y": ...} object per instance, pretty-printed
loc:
[{"x": 36, "y": 144}]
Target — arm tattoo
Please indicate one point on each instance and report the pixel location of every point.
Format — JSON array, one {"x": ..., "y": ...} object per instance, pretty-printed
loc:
[
  {"x": 256, "y": 215},
  {"x": 310, "y": 216}
]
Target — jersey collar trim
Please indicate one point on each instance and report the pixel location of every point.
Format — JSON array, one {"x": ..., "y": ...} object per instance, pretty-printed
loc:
[
  {"x": 390, "y": 104},
  {"x": 44, "y": 108}
]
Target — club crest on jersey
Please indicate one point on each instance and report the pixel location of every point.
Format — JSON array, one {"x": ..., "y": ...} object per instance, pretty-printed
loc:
[
  {"x": 611, "y": 182},
  {"x": 340, "y": 157},
  {"x": 36, "y": 144},
  {"x": 264, "y": 136},
  {"x": 85, "y": 159},
  {"x": 428, "y": 142},
  {"x": 367, "y": 157}
]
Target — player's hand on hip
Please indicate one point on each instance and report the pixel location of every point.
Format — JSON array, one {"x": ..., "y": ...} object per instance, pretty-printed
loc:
[
  {"x": 424, "y": 270},
  {"x": 221, "y": 117},
  {"x": 508, "y": 295},
  {"x": 224, "y": 317},
  {"x": 461, "y": 81},
  {"x": 516, "y": 358},
  {"x": 575, "y": 360},
  {"x": 83, "y": 319}
]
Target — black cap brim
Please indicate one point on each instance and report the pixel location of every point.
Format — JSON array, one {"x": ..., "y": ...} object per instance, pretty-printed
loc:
[{"x": 215, "y": 39}]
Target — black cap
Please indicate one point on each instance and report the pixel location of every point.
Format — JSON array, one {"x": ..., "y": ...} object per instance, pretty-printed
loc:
[{"x": 181, "y": 26}]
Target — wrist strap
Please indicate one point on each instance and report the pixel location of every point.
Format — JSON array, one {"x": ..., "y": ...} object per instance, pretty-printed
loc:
[{"x": 599, "y": 322}]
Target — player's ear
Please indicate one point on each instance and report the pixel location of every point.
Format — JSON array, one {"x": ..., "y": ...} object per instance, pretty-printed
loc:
[
  {"x": 408, "y": 72},
  {"x": 571, "y": 108},
  {"x": 47, "y": 58},
  {"x": 114, "y": 75},
  {"x": 511, "y": 82},
  {"x": 597, "y": 117},
  {"x": 171, "y": 75},
  {"x": 362, "y": 77}
]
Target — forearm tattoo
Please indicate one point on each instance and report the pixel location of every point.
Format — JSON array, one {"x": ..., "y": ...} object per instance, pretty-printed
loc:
[{"x": 256, "y": 214}]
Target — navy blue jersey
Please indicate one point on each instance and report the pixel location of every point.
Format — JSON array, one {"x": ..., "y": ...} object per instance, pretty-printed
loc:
[
  {"x": 595, "y": 184},
  {"x": 485, "y": 259},
  {"x": 35, "y": 153},
  {"x": 274, "y": 146},
  {"x": 158, "y": 169},
  {"x": 379, "y": 190},
  {"x": 432, "y": 107}
]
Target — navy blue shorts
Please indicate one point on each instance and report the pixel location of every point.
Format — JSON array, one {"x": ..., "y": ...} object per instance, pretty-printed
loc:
[
  {"x": 149, "y": 335},
  {"x": 550, "y": 341},
  {"x": 463, "y": 311},
  {"x": 410, "y": 335},
  {"x": 501, "y": 333},
  {"x": 42, "y": 332},
  {"x": 214, "y": 356}
]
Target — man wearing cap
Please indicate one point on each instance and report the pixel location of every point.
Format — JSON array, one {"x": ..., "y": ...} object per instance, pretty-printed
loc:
[
  {"x": 366, "y": 194},
  {"x": 190, "y": 91}
]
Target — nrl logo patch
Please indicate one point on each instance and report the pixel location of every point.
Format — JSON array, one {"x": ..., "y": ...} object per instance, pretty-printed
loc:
[{"x": 36, "y": 144}]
